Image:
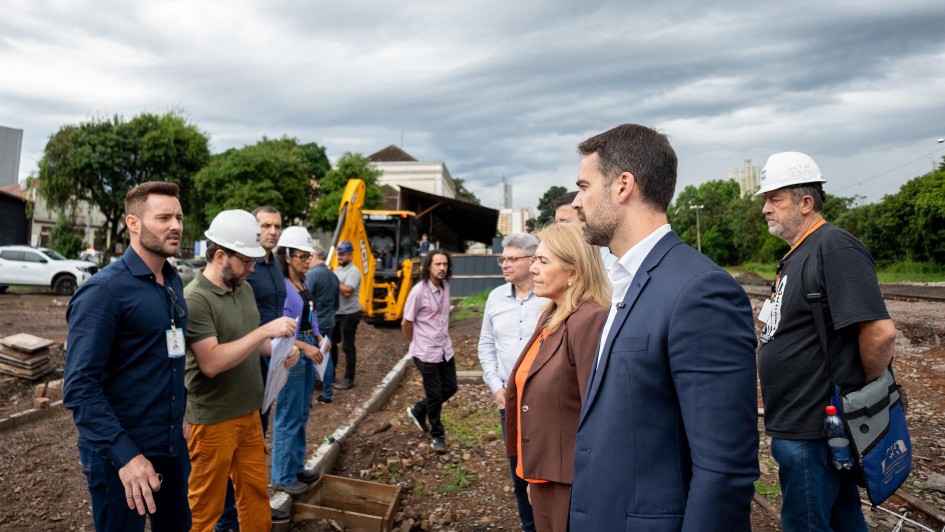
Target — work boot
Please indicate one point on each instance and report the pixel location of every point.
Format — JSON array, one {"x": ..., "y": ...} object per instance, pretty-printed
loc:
[
  {"x": 439, "y": 445},
  {"x": 345, "y": 384},
  {"x": 308, "y": 476},
  {"x": 294, "y": 488}
]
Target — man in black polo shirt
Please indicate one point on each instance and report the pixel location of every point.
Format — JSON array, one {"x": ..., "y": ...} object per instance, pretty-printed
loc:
[{"x": 124, "y": 374}]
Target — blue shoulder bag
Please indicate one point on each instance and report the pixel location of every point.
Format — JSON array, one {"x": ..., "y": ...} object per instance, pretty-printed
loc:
[{"x": 873, "y": 415}]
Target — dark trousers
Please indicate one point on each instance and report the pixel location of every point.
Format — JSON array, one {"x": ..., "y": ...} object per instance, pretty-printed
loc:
[
  {"x": 439, "y": 384},
  {"x": 109, "y": 507},
  {"x": 346, "y": 325},
  {"x": 519, "y": 487}
]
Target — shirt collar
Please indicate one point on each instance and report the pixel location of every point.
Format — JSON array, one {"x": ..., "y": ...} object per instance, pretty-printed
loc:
[
  {"x": 209, "y": 285},
  {"x": 138, "y": 268},
  {"x": 633, "y": 258},
  {"x": 511, "y": 294}
]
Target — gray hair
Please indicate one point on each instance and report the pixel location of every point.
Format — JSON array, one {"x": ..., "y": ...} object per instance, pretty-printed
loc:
[
  {"x": 524, "y": 241},
  {"x": 320, "y": 252}
]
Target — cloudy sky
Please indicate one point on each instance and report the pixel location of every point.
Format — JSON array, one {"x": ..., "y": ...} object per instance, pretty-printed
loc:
[{"x": 497, "y": 88}]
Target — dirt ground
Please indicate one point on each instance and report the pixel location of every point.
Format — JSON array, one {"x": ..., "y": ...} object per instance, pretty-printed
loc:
[{"x": 466, "y": 489}]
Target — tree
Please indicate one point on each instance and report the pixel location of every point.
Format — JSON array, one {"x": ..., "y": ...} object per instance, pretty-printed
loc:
[
  {"x": 280, "y": 173},
  {"x": 99, "y": 161},
  {"x": 332, "y": 187},
  {"x": 65, "y": 237},
  {"x": 546, "y": 207},
  {"x": 463, "y": 193},
  {"x": 908, "y": 225}
]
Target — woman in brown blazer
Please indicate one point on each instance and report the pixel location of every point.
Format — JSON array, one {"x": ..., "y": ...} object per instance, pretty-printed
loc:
[{"x": 548, "y": 382}]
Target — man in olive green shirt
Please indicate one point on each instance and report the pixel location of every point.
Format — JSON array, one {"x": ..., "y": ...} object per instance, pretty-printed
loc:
[{"x": 224, "y": 386}]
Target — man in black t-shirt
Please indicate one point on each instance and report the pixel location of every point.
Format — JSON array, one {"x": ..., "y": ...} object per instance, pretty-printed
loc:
[{"x": 795, "y": 380}]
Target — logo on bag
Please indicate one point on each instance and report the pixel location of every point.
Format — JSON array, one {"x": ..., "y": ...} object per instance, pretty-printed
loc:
[
  {"x": 895, "y": 456},
  {"x": 771, "y": 326}
]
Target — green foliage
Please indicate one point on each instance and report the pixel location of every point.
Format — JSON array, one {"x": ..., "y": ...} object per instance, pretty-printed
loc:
[
  {"x": 470, "y": 306},
  {"x": 66, "y": 238},
  {"x": 464, "y": 193},
  {"x": 101, "y": 160},
  {"x": 332, "y": 187},
  {"x": 469, "y": 426},
  {"x": 280, "y": 173},
  {"x": 909, "y": 225},
  {"x": 460, "y": 480},
  {"x": 546, "y": 208},
  {"x": 768, "y": 490}
]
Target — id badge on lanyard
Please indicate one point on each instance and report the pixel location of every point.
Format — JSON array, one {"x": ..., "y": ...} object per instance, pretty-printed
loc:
[{"x": 175, "y": 342}]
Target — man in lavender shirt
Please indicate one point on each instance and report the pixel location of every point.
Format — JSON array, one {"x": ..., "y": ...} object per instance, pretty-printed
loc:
[{"x": 426, "y": 327}]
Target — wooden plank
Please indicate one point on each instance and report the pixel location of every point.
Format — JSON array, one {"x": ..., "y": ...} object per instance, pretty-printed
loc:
[
  {"x": 358, "y": 504},
  {"x": 22, "y": 355},
  {"x": 26, "y": 342},
  {"x": 24, "y": 362},
  {"x": 31, "y": 374}
]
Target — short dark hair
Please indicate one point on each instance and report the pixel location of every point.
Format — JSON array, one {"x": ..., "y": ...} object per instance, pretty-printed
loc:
[
  {"x": 265, "y": 208},
  {"x": 137, "y": 196},
  {"x": 565, "y": 199},
  {"x": 814, "y": 190},
  {"x": 642, "y": 151},
  {"x": 428, "y": 261},
  {"x": 212, "y": 248}
]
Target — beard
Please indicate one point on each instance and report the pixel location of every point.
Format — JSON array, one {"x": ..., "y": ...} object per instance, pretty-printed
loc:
[
  {"x": 600, "y": 230},
  {"x": 155, "y": 244},
  {"x": 787, "y": 225},
  {"x": 230, "y": 278}
]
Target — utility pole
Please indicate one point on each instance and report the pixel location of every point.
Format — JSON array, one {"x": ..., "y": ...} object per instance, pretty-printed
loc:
[{"x": 698, "y": 227}]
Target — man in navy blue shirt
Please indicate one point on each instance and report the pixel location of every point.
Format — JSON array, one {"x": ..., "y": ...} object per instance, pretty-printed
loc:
[
  {"x": 124, "y": 374},
  {"x": 324, "y": 288}
]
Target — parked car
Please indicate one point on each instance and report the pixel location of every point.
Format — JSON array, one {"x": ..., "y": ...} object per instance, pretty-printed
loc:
[{"x": 25, "y": 265}]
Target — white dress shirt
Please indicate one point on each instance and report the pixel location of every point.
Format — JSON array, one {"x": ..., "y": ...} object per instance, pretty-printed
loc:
[
  {"x": 621, "y": 275},
  {"x": 507, "y": 325}
]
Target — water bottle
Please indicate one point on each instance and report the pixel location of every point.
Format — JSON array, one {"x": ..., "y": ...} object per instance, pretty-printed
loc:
[{"x": 837, "y": 440}]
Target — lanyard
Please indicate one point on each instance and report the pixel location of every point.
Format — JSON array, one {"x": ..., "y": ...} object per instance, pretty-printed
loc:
[
  {"x": 165, "y": 294},
  {"x": 438, "y": 302},
  {"x": 777, "y": 277}
]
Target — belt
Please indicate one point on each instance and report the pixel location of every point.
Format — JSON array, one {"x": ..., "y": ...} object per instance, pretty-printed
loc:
[{"x": 307, "y": 334}]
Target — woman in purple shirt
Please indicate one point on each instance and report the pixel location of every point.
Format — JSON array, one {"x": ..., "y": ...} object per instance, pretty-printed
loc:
[{"x": 295, "y": 399}]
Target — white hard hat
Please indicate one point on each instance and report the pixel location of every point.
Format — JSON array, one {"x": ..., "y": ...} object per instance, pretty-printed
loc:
[
  {"x": 789, "y": 168},
  {"x": 236, "y": 230},
  {"x": 296, "y": 237}
]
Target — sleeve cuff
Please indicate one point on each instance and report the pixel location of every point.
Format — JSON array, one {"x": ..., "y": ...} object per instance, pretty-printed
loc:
[{"x": 122, "y": 452}]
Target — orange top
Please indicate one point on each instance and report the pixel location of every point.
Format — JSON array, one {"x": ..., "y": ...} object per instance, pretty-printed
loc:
[{"x": 520, "y": 376}]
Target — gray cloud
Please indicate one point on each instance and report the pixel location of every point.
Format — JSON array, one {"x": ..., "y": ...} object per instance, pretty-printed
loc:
[{"x": 499, "y": 88}]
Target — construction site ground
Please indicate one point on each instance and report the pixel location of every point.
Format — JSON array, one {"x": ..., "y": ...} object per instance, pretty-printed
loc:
[{"x": 466, "y": 489}]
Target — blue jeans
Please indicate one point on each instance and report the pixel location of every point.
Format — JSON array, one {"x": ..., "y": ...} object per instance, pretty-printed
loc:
[
  {"x": 110, "y": 509},
  {"x": 288, "y": 428},
  {"x": 519, "y": 486},
  {"x": 816, "y": 496}
]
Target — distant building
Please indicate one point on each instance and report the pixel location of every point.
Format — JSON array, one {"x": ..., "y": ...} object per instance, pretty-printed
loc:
[
  {"x": 747, "y": 176},
  {"x": 400, "y": 169},
  {"x": 11, "y": 142},
  {"x": 14, "y": 225},
  {"x": 513, "y": 220},
  {"x": 505, "y": 202},
  {"x": 88, "y": 218}
]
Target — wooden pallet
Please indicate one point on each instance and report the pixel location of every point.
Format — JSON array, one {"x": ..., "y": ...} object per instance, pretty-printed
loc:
[{"x": 357, "y": 504}]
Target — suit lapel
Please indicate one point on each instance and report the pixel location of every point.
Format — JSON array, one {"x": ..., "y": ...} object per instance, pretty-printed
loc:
[{"x": 639, "y": 281}]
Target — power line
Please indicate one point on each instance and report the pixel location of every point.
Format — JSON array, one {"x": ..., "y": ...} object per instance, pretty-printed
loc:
[{"x": 860, "y": 183}]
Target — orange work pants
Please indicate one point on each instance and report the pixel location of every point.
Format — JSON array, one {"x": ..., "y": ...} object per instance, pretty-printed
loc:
[{"x": 231, "y": 449}]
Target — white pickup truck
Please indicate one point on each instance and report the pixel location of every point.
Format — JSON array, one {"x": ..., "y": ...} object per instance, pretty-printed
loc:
[{"x": 25, "y": 265}]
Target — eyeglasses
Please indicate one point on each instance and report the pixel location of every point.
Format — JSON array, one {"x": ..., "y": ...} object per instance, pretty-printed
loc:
[
  {"x": 304, "y": 258},
  {"x": 177, "y": 308},
  {"x": 247, "y": 261},
  {"x": 510, "y": 260}
]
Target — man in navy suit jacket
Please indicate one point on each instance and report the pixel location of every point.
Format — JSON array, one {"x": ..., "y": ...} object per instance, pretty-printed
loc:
[{"x": 668, "y": 435}]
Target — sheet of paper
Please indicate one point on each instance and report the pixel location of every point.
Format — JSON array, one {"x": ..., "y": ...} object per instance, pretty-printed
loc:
[
  {"x": 278, "y": 373},
  {"x": 321, "y": 367}
]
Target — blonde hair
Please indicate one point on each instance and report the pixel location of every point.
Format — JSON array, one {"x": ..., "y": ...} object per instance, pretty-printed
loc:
[{"x": 566, "y": 241}]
